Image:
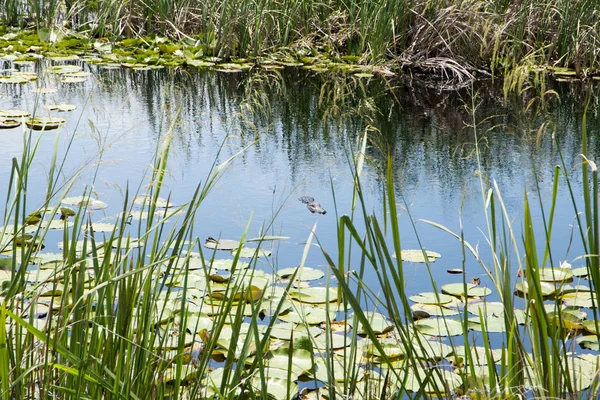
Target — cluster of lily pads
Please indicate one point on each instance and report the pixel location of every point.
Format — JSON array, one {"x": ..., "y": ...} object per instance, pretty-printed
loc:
[
  {"x": 312, "y": 348},
  {"x": 158, "y": 52}
]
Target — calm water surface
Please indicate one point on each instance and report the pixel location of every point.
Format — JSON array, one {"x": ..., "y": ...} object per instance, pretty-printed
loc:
[{"x": 304, "y": 127}]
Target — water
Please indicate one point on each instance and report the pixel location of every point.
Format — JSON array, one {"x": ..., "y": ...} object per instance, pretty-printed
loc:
[{"x": 301, "y": 129}]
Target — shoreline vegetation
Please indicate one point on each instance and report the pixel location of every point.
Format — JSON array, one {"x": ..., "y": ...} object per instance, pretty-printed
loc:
[
  {"x": 452, "y": 42},
  {"x": 143, "y": 308}
]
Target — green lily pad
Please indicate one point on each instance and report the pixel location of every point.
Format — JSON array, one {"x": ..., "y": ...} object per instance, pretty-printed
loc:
[
  {"x": 227, "y": 265},
  {"x": 64, "y": 69},
  {"x": 143, "y": 200},
  {"x": 287, "y": 330},
  {"x": 581, "y": 272},
  {"x": 13, "y": 113},
  {"x": 433, "y": 309},
  {"x": 44, "y": 124},
  {"x": 221, "y": 244},
  {"x": 458, "y": 290},
  {"x": 432, "y": 298},
  {"x": 101, "y": 227},
  {"x": 589, "y": 342},
  {"x": 307, "y": 315},
  {"x": 592, "y": 326},
  {"x": 60, "y": 107},
  {"x": 439, "y": 327},
  {"x": 416, "y": 256},
  {"x": 441, "y": 379},
  {"x": 378, "y": 324},
  {"x": 555, "y": 274},
  {"x": 13, "y": 80},
  {"x": 304, "y": 273},
  {"x": 490, "y": 324},
  {"x": 579, "y": 299},
  {"x": 547, "y": 288},
  {"x": 88, "y": 202},
  {"x": 314, "y": 295},
  {"x": 7, "y": 123},
  {"x": 249, "y": 252}
]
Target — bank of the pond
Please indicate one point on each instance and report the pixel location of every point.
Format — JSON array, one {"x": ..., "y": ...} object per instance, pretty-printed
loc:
[{"x": 451, "y": 42}]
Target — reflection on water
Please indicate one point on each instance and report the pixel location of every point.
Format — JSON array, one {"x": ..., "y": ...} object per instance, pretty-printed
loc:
[{"x": 304, "y": 128}]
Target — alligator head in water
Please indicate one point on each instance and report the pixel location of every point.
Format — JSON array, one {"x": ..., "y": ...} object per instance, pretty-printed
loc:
[{"x": 312, "y": 206}]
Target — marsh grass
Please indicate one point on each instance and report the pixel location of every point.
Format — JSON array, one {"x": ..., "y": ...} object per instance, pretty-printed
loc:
[{"x": 449, "y": 40}]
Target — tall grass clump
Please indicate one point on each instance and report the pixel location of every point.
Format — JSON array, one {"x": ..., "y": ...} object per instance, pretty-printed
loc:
[{"x": 524, "y": 344}]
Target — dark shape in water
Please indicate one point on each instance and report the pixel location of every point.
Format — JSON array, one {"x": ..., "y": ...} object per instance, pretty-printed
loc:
[{"x": 312, "y": 206}]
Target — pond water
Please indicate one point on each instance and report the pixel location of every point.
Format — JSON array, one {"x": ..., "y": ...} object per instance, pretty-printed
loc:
[{"x": 301, "y": 128}]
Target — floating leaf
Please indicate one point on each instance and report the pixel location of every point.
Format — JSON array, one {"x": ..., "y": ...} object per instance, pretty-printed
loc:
[
  {"x": 101, "y": 227},
  {"x": 378, "y": 324},
  {"x": 13, "y": 113},
  {"x": 580, "y": 299},
  {"x": 472, "y": 290},
  {"x": 6, "y": 123},
  {"x": 249, "y": 252},
  {"x": 432, "y": 298},
  {"x": 288, "y": 330},
  {"x": 223, "y": 264},
  {"x": 588, "y": 341},
  {"x": 221, "y": 244},
  {"x": 439, "y": 327},
  {"x": 490, "y": 324},
  {"x": 304, "y": 273},
  {"x": 314, "y": 295},
  {"x": 145, "y": 201},
  {"x": 581, "y": 272},
  {"x": 88, "y": 202},
  {"x": 60, "y": 107},
  {"x": 555, "y": 274},
  {"x": 416, "y": 256},
  {"x": 44, "y": 124},
  {"x": 64, "y": 69},
  {"x": 547, "y": 288},
  {"x": 307, "y": 315},
  {"x": 433, "y": 309}
]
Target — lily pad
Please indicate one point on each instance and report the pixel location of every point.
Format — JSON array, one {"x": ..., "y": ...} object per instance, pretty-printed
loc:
[
  {"x": 304, "y": 273},
  {"x": 378, "y": 324},
  {"x": 439, "y": 326},
  {"x": 547, "y": 288},
  {"x": 64, "y": 69},
  {"x": 555, "y": 274},
  {"x": 221, "y": 244},
  {"x": 432, "y": 298},
  {"x": 13, "y": 113},
  {"x": 81, "y": 201},
  {"x": 44, "y": 124},
  {"x": 433, "y": 309},
  {"x": 249, "y": 252},
  {"x": 472, "y": 290},
  {"x": 416, "y": 256},
  {"x": 6, "y": 123},
  {"x": 580, "y": 299},
  {"x": 60, "y": 107},
  {"x": 145, "y": 201},
  {"x": 314, "y": 295}
]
